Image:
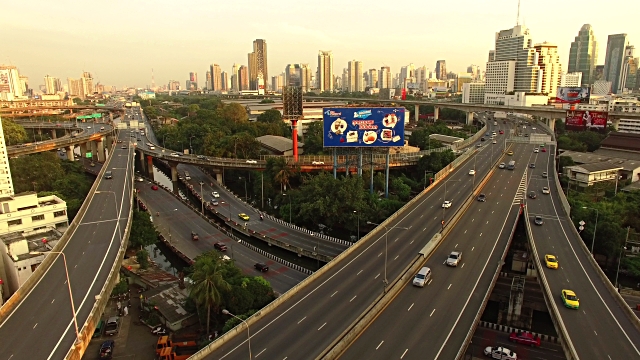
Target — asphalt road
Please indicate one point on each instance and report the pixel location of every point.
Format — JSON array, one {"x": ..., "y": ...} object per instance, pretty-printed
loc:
[
  {"x": 234, "y": 206},
  {"x": 42, "y": 325},
  {"x": 178, "y": 220},
  {"x": 484, "y": 337},
  {"x": 599, "y": 329},
  {"x": 432, "y": 322},
  {"x": 301, "y": 328}
]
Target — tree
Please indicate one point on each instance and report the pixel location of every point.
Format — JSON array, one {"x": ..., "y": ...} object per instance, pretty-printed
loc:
[
  {"x": 313, "y": 139},
  {"x": 270, "y": 116},
  {"x": 38, "y": 171},
  {"x": 143, "y": 233},
  {"x": 282, "y": 170},
  {"x": 142, "y": 256},
  {"x": 13, "y": 133},
  {"x": 234, "y": 112},
  {"x": 208, "y": 282}
]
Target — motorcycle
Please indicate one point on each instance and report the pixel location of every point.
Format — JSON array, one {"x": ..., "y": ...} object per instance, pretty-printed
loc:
[
  {"x": 159, "y": 330},
  {"x": 261, "y": 218}
]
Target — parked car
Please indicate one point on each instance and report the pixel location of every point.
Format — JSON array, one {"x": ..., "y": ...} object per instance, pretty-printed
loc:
[
  {"x": 112, "y": 327},
  {"x": 454, "y": 258},
  {"x": 262, "y": 267},
  {"x": 106, "y": 349}
]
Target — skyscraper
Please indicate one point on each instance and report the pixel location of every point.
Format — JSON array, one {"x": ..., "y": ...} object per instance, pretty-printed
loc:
[
  {"x": 209, "y": 83},
  {"x": 373, "y": 78},
  {"x": 260, "y": 49},
  {"x": 216, "y": 77},
  {"x": 51, "y": 85},
  {"x": 243, "y": 78},
  {"x": 629, "y": 69},
  {"x": 584, "y": 54},
  {"x": 384, "y": 78},
  {"x": 614, "y": 61},
  {"x": 224, "y": 76},
  {"x": 234, "y": 78},
  {"x": 305, "y": 77},
  {"x": 325, "y": 71},
  {"x": 441, "y": 70},
  {"x": 354, "y": 74},
  {"x": 549, "y": 63},
  {"x": 253, "y": 71},
  {"x": 6, "y": 184},
  {"x": 292, "y": 75}
]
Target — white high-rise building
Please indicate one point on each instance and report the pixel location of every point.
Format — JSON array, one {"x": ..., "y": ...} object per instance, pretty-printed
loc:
[
  {"x": 373, "y": 78},
  {"x": 6, "y": 184},
  {"x": 571, "y": 79},
  {"x": 235, "y": 83},
  {"x": 51, "y": 85},
  {"x": 549, "y": 63},
  {"x": 384, "y": 78},
  {"x": 10, "y": 84},
  {"x": 355, "y": 76},
  {"x": 305, "y": 77},
  {"x": 473, "y": 93},
  {"x": 325, "y": 71}
]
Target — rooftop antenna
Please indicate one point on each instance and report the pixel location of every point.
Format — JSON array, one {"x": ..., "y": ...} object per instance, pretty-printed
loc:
[{"x": 518, "y": 16}]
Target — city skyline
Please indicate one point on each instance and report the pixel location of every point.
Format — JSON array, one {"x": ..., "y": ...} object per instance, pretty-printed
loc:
[{"x": 123, "y": 51}]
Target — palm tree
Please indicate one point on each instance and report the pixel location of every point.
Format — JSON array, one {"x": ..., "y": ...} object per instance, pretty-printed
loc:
[
  {"x": 208, "y": 282},
  {"x": 283, "y": 172}
]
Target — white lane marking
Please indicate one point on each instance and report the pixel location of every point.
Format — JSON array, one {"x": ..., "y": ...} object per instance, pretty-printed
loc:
[
  {"x": 465, "y": 231},
  {"x": 301, "y": 320},
  {"x": 377, "y": 276},
  {"x": 410, "y": 307},
  {"x": 455, "y": 246},
  {"x": 397, "y": 238},
  {"x": 258, "y": 354},
  {"x": 424, "y": 229},
  {"x": 396, "y": 258},
  {"x": 449, "y": 287},
  {"x": 480, "y": 234},
  {"x": 421, "y": 216},
  {"x": 434, "y": 310},
  {"x": 403, "y": 354},
  {"x": 359, "y": 272},
  {"x": 472, "y": 220},
  {"x": 378, "y": 347},
  {"x": 487, "y": 221},
  {"x": 473, "y": 248},
  {"x": 379, "y": 254},
  {"x": 34, "y": 326},
  {"x": 411, "y": 241},
  {"x": 334, "y": 293},
  {"x": 430, "y": 282},
  {"x": 320, "y": 328},
  {"x": 53, "y": 300},
  {"x": 353, "y": 298},
  {"x": 462, "y": 265},
  {"x": 595, "y": 332}
]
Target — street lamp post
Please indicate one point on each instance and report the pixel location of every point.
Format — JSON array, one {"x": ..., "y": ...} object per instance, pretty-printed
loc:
[
  {"x": 620, "y": 255},
  {"x": 228, "y": 206},
  {"x": 181, "y": 147},
  {"x": 386, "y": 248},
  {"x": 163, "y": 137},
  {"x": 595, "y": 228},
  {"x": 226, "y": 312},
  {"x": 358, "y": 214},
  {"x": 202, "y": 197},
  {"x": 246, "y": 196},
  {"x": 284, "y": 194},
  {"x": 66, "y": 271}
]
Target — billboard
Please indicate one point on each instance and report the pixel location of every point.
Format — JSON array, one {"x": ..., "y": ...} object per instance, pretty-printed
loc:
[
  {"x": 4, "y": 81},
  {"x": 572, "y": 95},
  {"x": 366, "y": 127},
  {"x": 578, "y": 120}
]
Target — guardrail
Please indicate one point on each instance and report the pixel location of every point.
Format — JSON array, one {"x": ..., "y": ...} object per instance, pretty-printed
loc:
[
  {"x": 567, "y": 345},
  {"x": 56, "y": 143}
]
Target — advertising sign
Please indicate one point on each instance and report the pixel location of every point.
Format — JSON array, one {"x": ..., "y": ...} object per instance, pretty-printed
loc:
[
  {"x": 578, "y": 120},
  {"x": 4, "y": 81},
  {"x": 366, "y": 127},
  {"x": 572, "y": 95}
]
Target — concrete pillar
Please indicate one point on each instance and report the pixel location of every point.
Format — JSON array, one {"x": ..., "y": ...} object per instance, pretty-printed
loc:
[
  {"x": 100, "y": 150},
  {"x": 470, "y": 117},
  {"x": 219, "y": 177},
  {"x": 150, "y": 167},
  {"x": 436, "y": 113},
  {"x": 93, "y": 148},
  {"x": 516, "y": 298},
  {"x": 83, "y": 149},
  {"x": 141, "y": 159},
  {"x": 417, "y": 113},
  {"x": 551, "y": 123},
  {"x": 360, "y": 162},
  {"x": 39, "y": 131},
  {"x": 54, "y": 134},
  {"x": 70, "y": 155}
]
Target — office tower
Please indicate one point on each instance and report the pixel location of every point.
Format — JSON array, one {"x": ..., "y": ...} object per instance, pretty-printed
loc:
[
  {"x": 75, "y": 88},
  {"x": 614, "y": 61},
  {"x": 344, "y": 80},
  {"x": 584, "y": 54},
  {"x": 260, "y": 51},
  {"x": 216, "y": 77},
  {"x": 253, "y": 71},
  {"x": 475, "y": 72},
  {"x": 174, "y": 85},
  {"x": 51, "y": 85},
  {"x": 208, "y": 84},
  {"x": 421, "y": 77},
  {"x": 598, "y": 73},
  {"x": 305, "y": 77},
  {"x": 571, "y": 80},
  {"x": 492, "y": 55},
  {"x": 384, "y": 78},
  {"x": 235, "y": 85},
  {"x": 10, "y": 84},
  {"x": 473, "y": 93},
  {"x": 6, "y": 184},
  {"x": 243, "y": 78},
  {"x": 354, "y": 76},
  {"x": 549, "y": 63},
  {"x": 629, "y": 69},
  {"x": 277, "y": 82},
  {"x": 441, "y": 70},
  {"x": 87, "y": 85},
  {"x": 292, "y": 75},
  {"x": 224, "y": 81},
  {"x": 407, "y": 75},
  {"x": 325, "y": 71},
  {"x": 373, "y": 78}
]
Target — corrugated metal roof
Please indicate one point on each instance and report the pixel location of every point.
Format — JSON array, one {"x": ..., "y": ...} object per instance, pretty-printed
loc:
[{"x": 277, "y": 143}]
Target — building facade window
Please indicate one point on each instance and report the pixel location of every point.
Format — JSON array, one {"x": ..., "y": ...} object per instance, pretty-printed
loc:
[
  {"x": 37, "y": 217},
  {"x": 14, "y": 222}
]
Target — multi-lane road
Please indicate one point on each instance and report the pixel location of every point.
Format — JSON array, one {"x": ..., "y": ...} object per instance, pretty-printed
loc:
[
  {"x": 41, "y": 327},
  {"x": 599, "y": 329}
]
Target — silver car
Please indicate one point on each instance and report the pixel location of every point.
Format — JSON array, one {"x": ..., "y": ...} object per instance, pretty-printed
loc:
[{"x": 454, "y": 258}]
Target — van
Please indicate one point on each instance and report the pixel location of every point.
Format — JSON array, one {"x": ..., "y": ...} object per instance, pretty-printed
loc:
[{"x": 422, "y": 277}]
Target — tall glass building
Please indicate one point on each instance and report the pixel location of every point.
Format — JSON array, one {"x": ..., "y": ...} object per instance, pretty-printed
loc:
[{"x": 584, "y": 54}]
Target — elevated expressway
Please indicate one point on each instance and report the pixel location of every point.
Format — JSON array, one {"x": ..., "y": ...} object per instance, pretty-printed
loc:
[{"x": 37, "y": 321}]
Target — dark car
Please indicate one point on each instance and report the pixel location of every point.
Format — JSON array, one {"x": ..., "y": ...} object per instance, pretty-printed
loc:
[
  {"x": 220, "y": 246},
  {"x": 538, "y": 220},
  {"x": 532, "y": 194},
  {"x": 481, "y": 139},
  {"x": 261, "y": 267},
  {"x": 532, "y": 165},
  {"x": 108, "y": 175},
  {"x": 106, "y": 349},
  {"x": 482, "y": 197}
]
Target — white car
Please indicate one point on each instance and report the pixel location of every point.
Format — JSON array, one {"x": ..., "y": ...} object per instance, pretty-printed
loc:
[
  {"x": 139, "y": 179},
  {"x": 215, "y": 194},
  {"x": 536, "y": 150},
  {"x": 317, "y": 163},
  {"x": 446, "y": 204},
  {"x": 252, "y": 162},
  {"x": 502, "y": 165},
  {"x": 533, "y": 128},
  {"x": 545, "y": 190},
  {"x": 500, "y": 353},
  {"x": 472, "y": 172},
  {"x": 454, "y": 258},
  {"x": 175, "y": 154},
  {"x": 495, "y": 142}
]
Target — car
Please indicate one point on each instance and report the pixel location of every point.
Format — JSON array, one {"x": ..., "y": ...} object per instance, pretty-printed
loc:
[
  {"x": 545, "y": 190},
  {"x": 201, "y": 157},
  {"x": 551, "y": 261},
  {"x": 472, "y": 172},
  {"x": 532, "y": 166},
  {"x": 317, "y": 163},
  {"x": 499, "y": 352},
  {"x": 510, "y": 153},
  {"x": 482, "y": 138},
  {"x": 119, "y": 141},
  {"x": 482, "y": 198},
  {"x": 495, "y": 141},
  {"x": 446, "y": 204},
  {"x": 139, "y": 179},
  {"x": 112, "y": 327},
  {"x": 454, "y": 258},
  {"x": 214, "y": 202},
  {"x": 243, "y": 216},
  {"x": 544, "y": 150},
  {"x": 154, "y": 187},
  {"x": 251, "y": 162},
  {"x": 569, "y": 299},
  {"x": 123, "y": 147},
  {"x": 88, "y": 127},
  {"x": 533, "y": 128},
  {"x": 544, "y": 174},
  {"x": 479, "y": 145},
  {"x": 525, "y": 338},
  {"x": 526, "y": 135},
  {"x": 501, "y": 132},
  {"x": 220, "y": 246},
  {"x": 215, "y": 194},
  {"x": 138, "y": 139},
  {"x": 541, "y": 145},
  {"x": 538, "y": 220},
  {"x": 532, "y": 194},
  {"x": 102, "y": 128},
  {"x": 108, "y": 175},
  {"x": 106, "y": 349},
  {"x": 262, "y": 267},
  {"x": 536, "y": 150},
  {"x": 502, "y": 165},
  {"x": 225, "y": 258}
]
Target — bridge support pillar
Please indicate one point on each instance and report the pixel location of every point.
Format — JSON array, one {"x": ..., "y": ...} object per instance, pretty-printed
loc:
[
  {"x": 417, "y": 113},
  {"x": 436, "y": 113},
  {"x": 70, "y": 155},
  {"x": 470, "y": 117},
  {"x": 100, "y": 149},
  {"x": 174, "y": 175},
  {"x": 516, "y": 298},
  {"x": 83, "y": 149},
  {"x": 54, "y": 134},
  {"x": 551, "y": 123},
  {"x": 143, "y": 164},
  {"x": 150, "y": 167}
]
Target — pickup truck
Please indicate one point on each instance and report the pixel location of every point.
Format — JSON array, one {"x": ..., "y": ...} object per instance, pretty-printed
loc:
[{"x": 194, "y": 236}]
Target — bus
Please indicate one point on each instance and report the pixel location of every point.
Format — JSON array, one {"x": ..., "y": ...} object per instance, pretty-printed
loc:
[{"x": 511, "y": 165}]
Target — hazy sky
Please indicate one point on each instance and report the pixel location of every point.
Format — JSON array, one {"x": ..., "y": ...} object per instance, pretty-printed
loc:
[{"x": 119, "y": 41}]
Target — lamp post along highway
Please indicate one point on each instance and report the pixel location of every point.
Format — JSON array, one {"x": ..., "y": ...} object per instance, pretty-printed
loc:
[
  {"x": 201, "y": 197},
  {"x": 163, "y": 137},
  {"x": 284, "y": 194},
  {"x": 226, "y": 312},
  {"x": 66, "y": 272},
  {"x": 620, "y": 255},
  {"x": 386, "y": 248},
  {"x": 595, "y": 228},
  {"x": 358, "y": 235},
  {"x": 191, "y": 147}
]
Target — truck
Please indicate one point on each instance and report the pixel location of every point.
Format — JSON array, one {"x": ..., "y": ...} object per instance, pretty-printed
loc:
[
  {"x": 164, "y": 342},
  {"x": 194, "y": 236},
  {"x": 176, "y": 354}
]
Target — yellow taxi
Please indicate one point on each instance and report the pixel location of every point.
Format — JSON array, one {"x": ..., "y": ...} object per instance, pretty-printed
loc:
[
  {"x": 510, "y": 153},
  {"x": 569, "y": 299},
  {"x": 551, "y": 261},
  {"x": 243, "y": 216}
]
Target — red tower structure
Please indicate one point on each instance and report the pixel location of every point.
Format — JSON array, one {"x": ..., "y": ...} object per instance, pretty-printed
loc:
[
  {"x": 294, "y": 136},
  {"x": 292, "y": 111}
]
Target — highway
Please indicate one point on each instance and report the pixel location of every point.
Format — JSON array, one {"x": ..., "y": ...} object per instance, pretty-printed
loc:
[
  {"x": 484, "y": 337},
  {"x": 301, "y": 328},
  {"x": 599, "y": 329},
  {"x": 432, "y": 322},
  {"x": 41, "y": 327},
  {"x": 179, "y": 220}
]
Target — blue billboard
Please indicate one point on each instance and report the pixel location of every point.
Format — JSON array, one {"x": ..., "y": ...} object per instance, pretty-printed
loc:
[{"x": 365, "y": 127}]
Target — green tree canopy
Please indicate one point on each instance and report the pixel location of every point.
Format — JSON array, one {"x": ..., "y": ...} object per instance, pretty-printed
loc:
[
  {"x": 143, "y": 233},
  {"x": 13, "y": 133}
]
